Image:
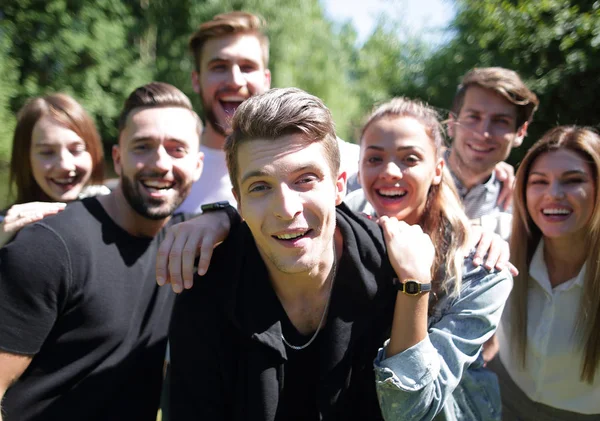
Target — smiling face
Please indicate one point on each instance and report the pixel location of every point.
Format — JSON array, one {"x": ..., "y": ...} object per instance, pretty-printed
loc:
[
  {"x": 560, "y": 194},
  {"x": 287, "y": 197},
  {"x": 60, "y": 162},
  {"x": 231, "y": 70},
  {"x": 398, "y": 164},
  {"x": 157, "y": 159},
  {"x": 484, "y": 131}
]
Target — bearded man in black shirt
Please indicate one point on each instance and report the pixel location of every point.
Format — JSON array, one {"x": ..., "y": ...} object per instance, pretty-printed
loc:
[{"x": 83, "y": 325}]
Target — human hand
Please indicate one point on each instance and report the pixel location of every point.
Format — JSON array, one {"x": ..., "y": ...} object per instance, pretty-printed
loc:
[
  {"x": 492, "y": 245},
  {"x": 490, "y": 349},
  {"x": 21, "y": 215},
  {"x": 505, "y": 173},
  {"x": 410, "y": 250},
  {"x": 183, "y": 243}
]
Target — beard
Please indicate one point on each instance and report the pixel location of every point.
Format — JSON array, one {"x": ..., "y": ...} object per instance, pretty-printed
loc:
[
  {"x": 153, "y": 209},
  {"x": 211, "y": 119}
]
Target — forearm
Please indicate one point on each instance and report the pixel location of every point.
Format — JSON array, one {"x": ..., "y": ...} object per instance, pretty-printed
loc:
[{"x": 409, "y": 326}]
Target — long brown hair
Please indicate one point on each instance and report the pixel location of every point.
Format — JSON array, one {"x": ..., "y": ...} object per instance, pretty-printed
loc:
[
  {"x": 443, "y": 219},
  {"x": 526, "y": 237},
  {"x": 65, "y": 111}
]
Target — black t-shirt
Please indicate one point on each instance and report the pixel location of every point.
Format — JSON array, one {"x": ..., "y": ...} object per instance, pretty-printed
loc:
[
  {"x": 298, "y": 400},
  {"x": 79, "y": 292}
]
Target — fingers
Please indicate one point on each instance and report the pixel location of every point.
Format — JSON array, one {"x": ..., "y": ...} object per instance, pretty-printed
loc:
[
  {"x": 482, "y": 247},
  {"x": 206, "y": 250},
  {"x": 506, "y": 174},
  {"x": 512, "y": 269},
  {"x": 162, "y": 257}
]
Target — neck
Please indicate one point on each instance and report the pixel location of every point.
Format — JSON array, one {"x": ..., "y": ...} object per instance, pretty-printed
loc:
[
  {"x": 467, "y": 176},
  {"x": 117, "y": 207},
  {"x": 211, "y": 138},
  {"x": 563, "y": 260}
]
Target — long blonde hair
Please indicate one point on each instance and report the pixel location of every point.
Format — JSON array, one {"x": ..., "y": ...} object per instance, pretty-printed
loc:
[
  {"x": 526, "y": 236},
  {"x": 443, "y": 219}
]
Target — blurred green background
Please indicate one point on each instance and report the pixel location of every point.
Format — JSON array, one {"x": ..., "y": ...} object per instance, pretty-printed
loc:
[{"x": 98, "y": 51}]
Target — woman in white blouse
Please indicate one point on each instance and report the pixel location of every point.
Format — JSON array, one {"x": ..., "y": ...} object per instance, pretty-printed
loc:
[{"x": 549, "y": 366}]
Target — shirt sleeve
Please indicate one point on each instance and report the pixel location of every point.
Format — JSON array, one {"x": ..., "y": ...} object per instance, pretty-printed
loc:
[
  {"x": 34, "y": 279},
  {"x": 199, "y": 347},
  {"x": 417, "y": 383}
]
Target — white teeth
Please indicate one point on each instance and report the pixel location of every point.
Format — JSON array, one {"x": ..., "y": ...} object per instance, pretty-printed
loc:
[
  {"x": 232, "y": 99},
  {"x": 291, "y": 236},
  {"x": 157, "y": 184},
  {"x": 392, "y": 192},
  {"x": 556, "y": 211},
  {"x": 69, "y": 180},
  {"x": 479, "y": 149}
]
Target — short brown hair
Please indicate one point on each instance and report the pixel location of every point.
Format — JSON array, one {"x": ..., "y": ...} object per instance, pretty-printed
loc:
[
  {"x": 277, "y": 113},
  {"x": 156, "y": 94},
  {"x": 228, "y": 24},
  {"x": 65, "y": 111},
  {"x": 505, "y": 83}
]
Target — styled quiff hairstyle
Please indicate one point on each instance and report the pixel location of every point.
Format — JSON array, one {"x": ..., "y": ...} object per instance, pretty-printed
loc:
[
  {"x": 156, "y": 94},
  {"x": 443, "y": 218},
  {"x": 505, "y": 83},
  {"x": 229, "y": 24},
  {"x": 526, "y": 236},
  {"x": 277, "y": 113},
  {"x": 67, "y": 112}
]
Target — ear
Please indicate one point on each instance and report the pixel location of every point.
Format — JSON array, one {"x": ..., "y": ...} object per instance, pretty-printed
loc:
[
  {"x": 199, "y": 165},
  {"x": 439, "y": 171},
  {"x": 196, "y": 81},
  {"x": 267, "y": 79},
  {"x": 450, "y": 125},
  {"x": 116, "y": 157},
  {"x": 520, "y": 135},
  {"x": 340, "y": 188}
]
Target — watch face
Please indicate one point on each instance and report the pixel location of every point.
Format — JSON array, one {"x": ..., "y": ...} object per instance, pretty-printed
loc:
[{"x": 411, "y": 287}]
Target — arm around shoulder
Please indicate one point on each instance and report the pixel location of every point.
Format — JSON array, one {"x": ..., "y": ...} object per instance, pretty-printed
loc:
[{"x": 416, "y": 384}]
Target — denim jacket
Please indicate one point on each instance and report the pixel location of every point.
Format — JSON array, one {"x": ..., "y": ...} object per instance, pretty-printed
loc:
[{"x": 442, "y": 377}]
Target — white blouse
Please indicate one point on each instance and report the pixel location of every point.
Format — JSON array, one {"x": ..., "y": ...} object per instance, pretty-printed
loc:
[{"x": 554, "y": 355}]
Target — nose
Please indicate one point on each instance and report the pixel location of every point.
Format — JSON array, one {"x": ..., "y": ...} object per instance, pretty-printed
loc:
[
  {"x": 67, "y": 161},
  {"x": 556, "y": 190},
  {"x": 162, "y": 160},
  {"x": 391, "y": 171},
  {"x": 484, "y": 127},
  {"x": 236, "y": 77},
  {"x": 287, "y": 204}
]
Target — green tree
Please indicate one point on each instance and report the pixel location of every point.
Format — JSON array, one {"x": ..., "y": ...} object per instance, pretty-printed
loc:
[
  {"x": 91, "y": 50},
  {"x": 553, "y": 44}
]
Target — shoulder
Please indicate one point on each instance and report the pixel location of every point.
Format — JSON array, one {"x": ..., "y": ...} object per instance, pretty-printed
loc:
[{"x": 357, "y": 202}]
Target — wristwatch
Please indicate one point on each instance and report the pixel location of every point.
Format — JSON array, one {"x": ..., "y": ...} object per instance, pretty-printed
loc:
[
  {"x": 209, "y": 207},
  {"x": 234, "y": 216},
  {"x": 411, "y": 286}
]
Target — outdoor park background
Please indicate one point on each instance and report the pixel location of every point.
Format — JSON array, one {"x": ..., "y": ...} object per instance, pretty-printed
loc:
[{"x": 100, "y": 50}]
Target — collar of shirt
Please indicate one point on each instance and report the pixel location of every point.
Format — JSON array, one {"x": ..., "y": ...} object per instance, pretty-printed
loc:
[{"x": 538, "y": 271}]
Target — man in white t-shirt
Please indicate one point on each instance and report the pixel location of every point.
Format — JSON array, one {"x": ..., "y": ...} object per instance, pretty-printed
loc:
[{"x": 231, "y": 58}]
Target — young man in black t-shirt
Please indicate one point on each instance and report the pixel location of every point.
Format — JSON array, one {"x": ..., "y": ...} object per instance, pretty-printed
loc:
[
  {"x": 84, "y": 327},
  {"x": 286, "y": 323}
]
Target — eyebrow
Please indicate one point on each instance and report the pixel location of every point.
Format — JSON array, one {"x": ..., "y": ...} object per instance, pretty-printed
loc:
[
  {"x": 566, "y": 173},
  {"x": 144, "y": 138},
  {"x": 263, "y": 173},
  {"x": 400, "y": 148},
  {"x": 473, "y": 110}
]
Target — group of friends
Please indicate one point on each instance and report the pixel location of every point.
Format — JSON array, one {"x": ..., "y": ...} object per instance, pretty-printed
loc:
[{"x": 322, "y": 280}]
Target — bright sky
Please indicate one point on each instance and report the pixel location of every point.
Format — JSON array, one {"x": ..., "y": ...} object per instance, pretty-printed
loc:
[{"x": 421, "y": 17}]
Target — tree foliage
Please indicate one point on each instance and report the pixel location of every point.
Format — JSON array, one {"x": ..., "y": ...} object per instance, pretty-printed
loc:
[{"x": 553, "y": 44}]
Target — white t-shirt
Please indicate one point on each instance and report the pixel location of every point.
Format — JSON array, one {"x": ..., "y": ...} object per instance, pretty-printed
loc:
[
  {"x": 552, "y": 373},
  {"x": 214, "y": 184}
]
